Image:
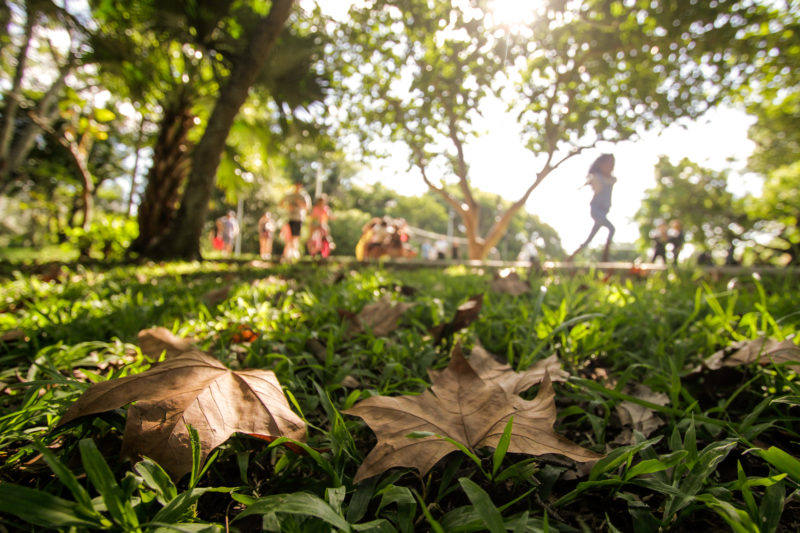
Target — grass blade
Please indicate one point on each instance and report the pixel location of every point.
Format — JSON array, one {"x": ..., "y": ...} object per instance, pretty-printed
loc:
[
  {"x": 41, "y": 508},
  {"x": 488, "y": 512},
  {"x": 100, "y": 475}
]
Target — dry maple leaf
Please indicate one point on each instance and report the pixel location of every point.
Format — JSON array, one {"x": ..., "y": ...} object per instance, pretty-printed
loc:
[
  {"x": 762, "y": 350},
  {"x": 154, "y": 341},
  {"x": 466, "y": 314},
  {"x": 462, "y": 406},
  {"x": 191, "y": 388},
  {"x": 493, "y": 371}
]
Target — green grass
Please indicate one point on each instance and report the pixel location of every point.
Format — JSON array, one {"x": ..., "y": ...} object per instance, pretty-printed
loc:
[
  {"x": 723, "y": 456},
  {"x": 51, "y": 252}
]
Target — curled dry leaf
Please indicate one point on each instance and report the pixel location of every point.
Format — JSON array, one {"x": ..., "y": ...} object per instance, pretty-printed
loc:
[
  {"x": 762, "y": 350},
  {"x": 381, "y": 317},
  {"x": 462, "y": 406},
  {"x": 637, "y": 417},
  {"x": 190, "y": 388},
  {"x": 493, "y": 371},
  {"x": 154, "y": 341},
  {"x": 466, "y": 314},
  {"x": 507, "y": 280}
]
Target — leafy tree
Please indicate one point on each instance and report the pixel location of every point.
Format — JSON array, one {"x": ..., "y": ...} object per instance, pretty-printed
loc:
[
  {"x": 699, "y": 198},
  {"x": 777, "y": 213},
  {"x": 31, "y": 102},
  {"x": 579, "y": 73},
  {"x": 775, "y": 103}
]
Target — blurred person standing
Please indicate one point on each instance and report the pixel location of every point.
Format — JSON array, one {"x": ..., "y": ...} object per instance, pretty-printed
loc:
[{"x": 296, "y": 204}]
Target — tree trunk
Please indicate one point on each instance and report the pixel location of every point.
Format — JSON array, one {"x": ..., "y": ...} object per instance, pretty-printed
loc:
[
  {"x": 170, "y": 167},
  {"x": 87, "y": 182},
  {"x": 42, "y": 116},
  {"x": 182, "y": 241},
  {"x": 14, "y": 95}
]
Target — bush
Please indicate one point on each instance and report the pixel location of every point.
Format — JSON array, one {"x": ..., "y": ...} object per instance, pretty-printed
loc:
[{"x": 107, "y": 237}]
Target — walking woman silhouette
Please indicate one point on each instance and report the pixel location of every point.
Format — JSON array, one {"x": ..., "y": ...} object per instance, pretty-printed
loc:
[{"x": 602, "y": 183}]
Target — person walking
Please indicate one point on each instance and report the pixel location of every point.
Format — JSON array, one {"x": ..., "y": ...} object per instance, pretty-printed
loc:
[
  {"x": 229, "y": 227},
  {"x": 266, "y": 234},
  {"x": 676, "y": 238},
  {"x": 602, "y": 181},
  {"x": 296, "y": 204},
  {"x": 660, "y": 238},
  {"x": 319, "y": 241}
]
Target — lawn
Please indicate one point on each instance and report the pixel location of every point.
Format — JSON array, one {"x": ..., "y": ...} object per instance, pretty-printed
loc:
[{"x": 681, "y": 388}]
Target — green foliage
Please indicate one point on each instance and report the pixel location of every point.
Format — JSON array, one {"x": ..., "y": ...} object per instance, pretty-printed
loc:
[
  {"x": 107, "y": 237},
  {"x": 346, "y": 230},
  {"x": 699, "y": 199}
]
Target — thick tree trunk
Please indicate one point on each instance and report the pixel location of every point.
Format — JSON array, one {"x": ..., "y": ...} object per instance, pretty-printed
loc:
[
  {"x": 170, "y": 167},
  {"x": 182, "y": 241}
]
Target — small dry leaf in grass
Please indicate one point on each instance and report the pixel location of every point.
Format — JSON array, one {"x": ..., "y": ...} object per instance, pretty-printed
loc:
[
  {"x": 14, "y": 335},
  {"x": 508, "y": 281},
  {"x": 491, "y": 370},
  {"x": 154, "y": 341},
  {"x": 351, "y": 382},
  {"x": 637, "y": 417},
  {"x": 466, "y": 314},
  {"x": 217, "y": 296},
  {"x": 317, "y": 349},
  {"x": 763, "y": 351},
  {"x": 462, "y": 406},
  {"x": 381, "y": 317},
  {"x": 190, "y": 388}
]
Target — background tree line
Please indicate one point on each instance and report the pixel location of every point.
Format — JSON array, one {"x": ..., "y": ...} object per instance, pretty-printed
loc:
[{"x": 176, "y": 110}]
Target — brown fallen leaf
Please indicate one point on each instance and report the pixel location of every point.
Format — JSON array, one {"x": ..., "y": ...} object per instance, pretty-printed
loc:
[
  {"x": 380, "y": 317},
  {"x": 154, "y": 341},
  {"x": 217, "y": 296},
  {"x": 190, "y": 388},
  {"x": 762, "y": 350},
  {"x": 507, "y": 280},
  {"x": 493, "y": 371},
  {"x": 637, "y": 417},
  {"x": 466, "y": 314},
  {"x": 462, "y": 406},
  {"x": 13, "y": 335}
]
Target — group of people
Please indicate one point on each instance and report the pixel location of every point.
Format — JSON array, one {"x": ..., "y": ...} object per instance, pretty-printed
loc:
[
  {"x": 667, "y": 235},
  {"x": 384, "y": 237},
  {"x": 298, "y": 207}
]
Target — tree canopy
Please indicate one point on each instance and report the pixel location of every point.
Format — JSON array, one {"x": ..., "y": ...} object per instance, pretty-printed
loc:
[{"x": 244, "y": 95}]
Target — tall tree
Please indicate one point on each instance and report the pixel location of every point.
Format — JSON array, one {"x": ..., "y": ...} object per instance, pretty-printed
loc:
[
  {"x": 183, "y": 238},
  {"x": 36, "y": 96},
  {"x": 697, "y": 197},
  {"x": 579, "y": 73}
]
